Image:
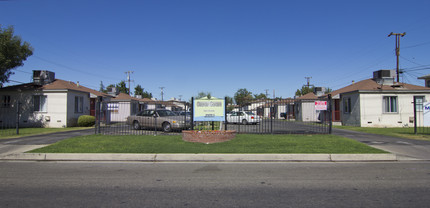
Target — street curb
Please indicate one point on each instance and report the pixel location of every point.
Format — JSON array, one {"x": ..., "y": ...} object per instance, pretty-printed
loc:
[{"x": 200, "y": 157}]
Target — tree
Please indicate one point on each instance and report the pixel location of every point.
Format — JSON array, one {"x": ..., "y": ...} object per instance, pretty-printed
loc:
[
  {"x": 305, "y": 90},
  {"x": 13, "y": 52},
  {"x": 229, "y": 103},
  {"x": 203, "y": 94},
  {"x": 260, "y": 96},
  {"x": 122, "y": 87},
  {"x": 138, "y": 90},
  {"x": 147, "y": 95},
  {"x": 243, "y": 97}
]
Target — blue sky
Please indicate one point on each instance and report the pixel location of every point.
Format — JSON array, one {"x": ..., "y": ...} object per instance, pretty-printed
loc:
[{"x": 220, "y": 46}]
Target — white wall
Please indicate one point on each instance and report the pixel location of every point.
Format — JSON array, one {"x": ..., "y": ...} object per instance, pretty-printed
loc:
[
  {"x": 368, "y": 110},
  {"x": 72, "y": 116},
  {"x": 350, "y": 118},
  {"x": 373, "y": 115}
]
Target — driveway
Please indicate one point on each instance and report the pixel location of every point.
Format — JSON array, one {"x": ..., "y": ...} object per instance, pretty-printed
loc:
[
  {"x": 24, "y": 144},
  {"x": 403, "y": 148}
]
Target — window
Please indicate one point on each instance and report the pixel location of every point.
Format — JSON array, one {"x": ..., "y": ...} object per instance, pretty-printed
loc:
[
  {"x": 39, "y": 103},
  {"x": 347, "y": 105},
  {"x": 6, "y": 103},
  {"x": 390, "y": 104},
  {"x": 419, "y": 100},
  {"x": 79, "y": 104}
]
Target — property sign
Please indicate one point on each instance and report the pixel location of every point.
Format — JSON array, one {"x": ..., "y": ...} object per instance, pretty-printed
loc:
[
  {"x": 209, "y": 109},
  {"x": 426, "y": 112},
  {"x": 320, "y": 105}
]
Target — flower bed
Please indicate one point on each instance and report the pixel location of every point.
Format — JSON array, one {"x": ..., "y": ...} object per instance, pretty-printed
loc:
[{"x": 208, "y": 137}]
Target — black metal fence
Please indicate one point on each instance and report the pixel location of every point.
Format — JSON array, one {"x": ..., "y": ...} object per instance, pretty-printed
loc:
[
  {"x": 9, "y": 117},
  {"x": 285, "y": 116}
]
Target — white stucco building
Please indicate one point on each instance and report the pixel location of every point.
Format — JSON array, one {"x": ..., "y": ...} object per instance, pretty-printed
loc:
[{"x": 47, "y": 102}]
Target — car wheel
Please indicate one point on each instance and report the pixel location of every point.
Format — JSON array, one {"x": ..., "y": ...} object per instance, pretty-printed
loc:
[
  {"x": 244, "y": 122},
  {"x": 136, "y": 125},
  {"x": 167, "y": 127}
]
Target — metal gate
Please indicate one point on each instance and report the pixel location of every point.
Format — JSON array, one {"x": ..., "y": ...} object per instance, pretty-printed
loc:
[{"x": 283, "y": 116}]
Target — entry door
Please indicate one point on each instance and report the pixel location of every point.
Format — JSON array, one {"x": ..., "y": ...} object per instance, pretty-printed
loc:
[{"x": 336, "y": 111}]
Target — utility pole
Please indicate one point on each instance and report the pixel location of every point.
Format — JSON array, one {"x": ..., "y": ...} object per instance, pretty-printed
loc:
[
  {"x": 398, "y": 35},
  {"x": 162, "y": 93},
  {"x": 129, "y": 80},
  {"x": 267, "y": 93},
  {"x": 308, "y": 81}
]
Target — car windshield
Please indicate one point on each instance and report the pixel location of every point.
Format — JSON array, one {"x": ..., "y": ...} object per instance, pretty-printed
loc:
[{"x": 163, "y": 113}]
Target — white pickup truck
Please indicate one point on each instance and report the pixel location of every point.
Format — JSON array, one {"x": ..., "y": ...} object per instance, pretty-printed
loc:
[{"x": 243, "y": 117}]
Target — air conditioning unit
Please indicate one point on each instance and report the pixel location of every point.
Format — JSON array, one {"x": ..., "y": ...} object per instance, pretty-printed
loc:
[
  {"x": 112, "y": 91},
  {"x": 42, "y": 77}
]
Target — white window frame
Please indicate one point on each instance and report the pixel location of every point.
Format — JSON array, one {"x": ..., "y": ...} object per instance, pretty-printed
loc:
[
  {"x": 39, "y": 104},
  {"x": 79, "y": 104},
  {"x": 419, "y": 105},
  {"x": 387, "y": 104}
]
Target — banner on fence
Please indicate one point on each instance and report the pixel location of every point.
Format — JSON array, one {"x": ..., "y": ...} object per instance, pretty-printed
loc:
[
  {"x": 426, "y": 110},
  {"x": 206, "y": 109},
  {"x": 320, "y": 105}
]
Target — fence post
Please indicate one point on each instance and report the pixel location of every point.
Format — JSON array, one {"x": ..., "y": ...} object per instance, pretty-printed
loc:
[
  {"x": 272, "y": 113},
  {"x": 192, "y": 113},
  {"x": 98, "y": 116},
  {"x": 225, "y": 113},
  {"x": 415, "y": 115},
  {"x": 17, "y": 117},
  {"x": 330, "y": 115}
]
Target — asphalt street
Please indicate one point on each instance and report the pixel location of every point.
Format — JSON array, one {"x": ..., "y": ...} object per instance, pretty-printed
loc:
[{"x": 91, "y": 184}]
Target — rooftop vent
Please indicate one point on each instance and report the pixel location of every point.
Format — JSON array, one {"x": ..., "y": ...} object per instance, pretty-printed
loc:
[
  {"x": 319, "y": 91},
  {"x": 112, "y": 91},
  {"x": 42, "y": 77},
  {"x": 384, "y": 77}
]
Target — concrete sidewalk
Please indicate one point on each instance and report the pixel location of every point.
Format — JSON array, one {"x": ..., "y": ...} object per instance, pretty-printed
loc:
[{"x": 199, "y": 157}]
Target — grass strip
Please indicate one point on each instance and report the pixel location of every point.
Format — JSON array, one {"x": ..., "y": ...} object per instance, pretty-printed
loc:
[{"x": 243, "y": 143}]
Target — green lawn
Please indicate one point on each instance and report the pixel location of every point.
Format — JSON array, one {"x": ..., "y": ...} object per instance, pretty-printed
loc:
[
  {"x": 243, "y": 143},
  {"x": 396, "y": 132},
  {"x": 11, "y": 133}
]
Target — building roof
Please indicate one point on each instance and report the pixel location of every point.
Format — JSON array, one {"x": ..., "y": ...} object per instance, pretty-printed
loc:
[
  {"x": 309, "y": 96},
  {"x": 425, "y": 77},
  {"x": 124, "y": 97},
  {"x": 57, "y": 84},
  {"x": 372, "y": 85}
]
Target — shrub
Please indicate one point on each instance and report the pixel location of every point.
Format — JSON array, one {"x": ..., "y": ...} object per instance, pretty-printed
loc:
[{"x": 86, "y": 120}]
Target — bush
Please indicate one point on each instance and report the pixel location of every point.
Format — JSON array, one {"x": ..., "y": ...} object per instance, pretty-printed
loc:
[{"x": 86, "y": 121}]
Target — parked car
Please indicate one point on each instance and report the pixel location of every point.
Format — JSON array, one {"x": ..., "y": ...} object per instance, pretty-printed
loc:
[
  {"x": 160, "y": 119},
  {"x": 243, "y": 117}
]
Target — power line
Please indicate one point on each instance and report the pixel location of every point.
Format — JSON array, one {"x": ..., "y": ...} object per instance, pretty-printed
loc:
[{"x": 72, "y": 69}]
